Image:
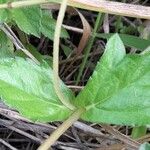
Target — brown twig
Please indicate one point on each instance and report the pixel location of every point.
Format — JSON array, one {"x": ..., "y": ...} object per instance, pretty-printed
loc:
[
  {"x": 7, "y": 144},
  {"x": 132, "y": 143},
  {"x": 21, "y": 132}
]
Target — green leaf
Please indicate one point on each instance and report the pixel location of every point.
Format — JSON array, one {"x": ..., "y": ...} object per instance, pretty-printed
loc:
[
  {"x": 28, "y": 88},
  {"x": 4, "y": 13},
  {"x": 145, "y": 146},
  {"x": 66, "y": 49},
  {"x": 114, "y": 53},
  {"x": 138, "y": 132},
  {"x": 31, "y": 20},
  {"x": 36, "y": 54},
  {"x": 48, "y": 25},
  {"x": 118, "y": 93},
  {"x": 48, "y": 59},
  {"x": 6, "y": 46},
  {"x": 28, "y": 19},
  {"x": 129, "y": 40}
]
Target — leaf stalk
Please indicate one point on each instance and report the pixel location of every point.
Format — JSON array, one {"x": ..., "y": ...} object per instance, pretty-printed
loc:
[
  {"x": 65, "y": 101},
  {"x": 61, "y": 129}
]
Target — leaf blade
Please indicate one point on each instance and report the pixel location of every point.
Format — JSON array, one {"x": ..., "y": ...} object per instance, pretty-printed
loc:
[
  {"x": 128, "y": 40},
  {"x": 104, "y": 66},
  {"x": 144, "y": 146},
  {"x": 31, "y": 20},
  {"x": 6, "y": 46},
  {"x": 118, "y": 94},
  {"x": 29, "y": 88},
  {"x": 26, "y": 21}
]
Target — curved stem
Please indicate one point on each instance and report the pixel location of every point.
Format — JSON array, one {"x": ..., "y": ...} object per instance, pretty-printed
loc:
[
  {"x": 61, "y": 129},
  {"x": 60, "y": 95}
]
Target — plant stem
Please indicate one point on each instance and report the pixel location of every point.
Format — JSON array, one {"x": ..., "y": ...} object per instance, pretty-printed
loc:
[
  {"x": 110, "y": 7},
  {"x": 118, "y": 22},
  {"x": 89, "y": 46},
  {"x": 61, "y": 129},
  {"x": 58, "y": 91}
]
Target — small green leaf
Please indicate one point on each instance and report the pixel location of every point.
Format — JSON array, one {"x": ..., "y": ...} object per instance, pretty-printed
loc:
[
  {"x": 114, "y": 53},
  {"x": 106, "y": 63},
  {"x": 66, "y": 49},
  {"x": 28, "y": 19},
  {"x": 129, "y": 40},
  {"x": 6, "y": 46},
  {"x": 138, "y": 132},
  {"x": 118, "y": 94},
  {"x": 35, "y": 52},
  {"x": 29, "y": 88},
  {"x": 48, "y": 59},
  {"x": 4, "y": 13},
  {"x": 31, "y": 20},
  {"x": 145, "y": 146},
  {"x": 48, "y": 25}
]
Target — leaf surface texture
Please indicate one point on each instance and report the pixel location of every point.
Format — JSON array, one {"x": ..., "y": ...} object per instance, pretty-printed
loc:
[
  {"x": 119, "y": 90},
  {"x": 29, "y": 88}
]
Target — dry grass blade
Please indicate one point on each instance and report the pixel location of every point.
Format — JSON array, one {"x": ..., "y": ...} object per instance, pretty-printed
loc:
[
  {"x": 86, "y": 33},
  {"x": 132, "y": 143},
  {"x": 145, "y": 138},
  {"x": 7, "y": 145},
  {"x": 113, "y": 147},
  {"x": 116, "y": 8},
  {"x": 88, "y": 129},
  {"x": 78, "y": 30},
  {"x": 86, "y": 27},
  {"x": 11, "y": 127},
  {"x": 84, "y": 39}
]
